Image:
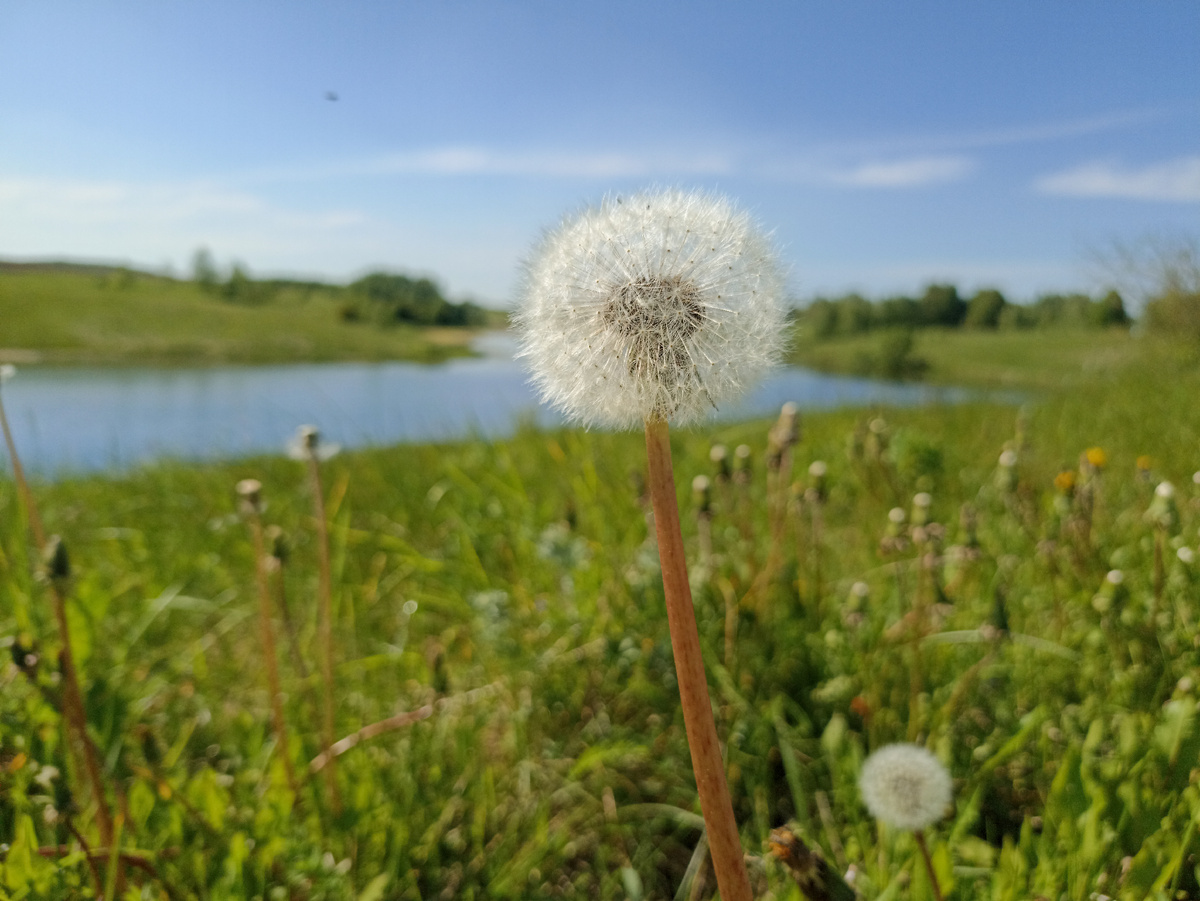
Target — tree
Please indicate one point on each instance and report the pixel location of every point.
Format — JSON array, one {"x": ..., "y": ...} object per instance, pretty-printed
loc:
[
  {"x": 204, "y": 269},
  {"x": 984, "y": 309},
  {"x": 941, "y": 305}
]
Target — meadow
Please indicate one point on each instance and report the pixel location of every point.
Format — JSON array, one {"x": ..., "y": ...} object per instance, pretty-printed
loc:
[
  {"x": 65, "y": 314},
  {"x": 506, "y": 699}
]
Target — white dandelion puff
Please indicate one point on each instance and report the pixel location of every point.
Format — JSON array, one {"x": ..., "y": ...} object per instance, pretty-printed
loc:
[
  {"x": 659, "y": 306},
  {"x": 905, "y": 786}
]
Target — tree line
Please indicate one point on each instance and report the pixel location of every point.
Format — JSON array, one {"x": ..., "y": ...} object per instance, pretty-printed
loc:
[
  {"x": 942, "y": 306},
  {"x": 379, "y": 298}
]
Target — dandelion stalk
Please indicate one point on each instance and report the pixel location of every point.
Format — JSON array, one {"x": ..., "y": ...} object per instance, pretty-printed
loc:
[
  {"x": 724, "y": 844},
  {"x": 251, "y": 504},
  {"x": 651, "y": 309},
  {"x": 310, "y": 439},
  {"x": 919, "y": 835},
  {"x": 31, "y": 510},
  {"x": 58, "y": 573}
]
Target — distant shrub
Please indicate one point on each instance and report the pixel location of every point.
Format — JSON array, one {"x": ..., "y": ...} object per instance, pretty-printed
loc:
[{"x": 984, "y": 310}]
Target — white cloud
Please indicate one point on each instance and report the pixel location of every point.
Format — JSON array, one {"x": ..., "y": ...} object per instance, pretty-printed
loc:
[
  {"x": 117, "y": 203},
  {"x": 906, "y": 173},
  {"x": 470, "y": 161},
  {"x": 1176, "y": 181}
]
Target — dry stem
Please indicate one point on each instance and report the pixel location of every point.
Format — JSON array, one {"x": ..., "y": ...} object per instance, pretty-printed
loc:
[
  {"x": 325, "y": 629},
  {"x": 721, "y": 827},
  {"x": 267, "y": 636},
  {"x": 919, "y": 835}
]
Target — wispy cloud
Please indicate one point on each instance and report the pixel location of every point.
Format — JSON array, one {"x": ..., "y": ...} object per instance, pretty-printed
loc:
[
  {"x": 475, "y": 161},
  {"x": 1173, "y": 181},
  {"x": 115, "y": 203},
  {"x": 915, "y": 172}
]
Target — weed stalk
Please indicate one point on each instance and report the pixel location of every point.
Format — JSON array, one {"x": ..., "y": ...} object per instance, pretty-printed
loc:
[
  {"x": 250, "y": 492},
  {"x": 311, "y": 438}
]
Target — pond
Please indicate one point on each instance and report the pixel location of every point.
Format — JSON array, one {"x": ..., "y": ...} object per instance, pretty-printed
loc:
[{"x": 73, "y": 419}]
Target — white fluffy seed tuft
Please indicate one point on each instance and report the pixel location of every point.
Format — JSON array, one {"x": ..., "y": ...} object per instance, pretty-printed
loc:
[
  {"x": 905, "y": 786},
  {"x": 662, "y": 305}
]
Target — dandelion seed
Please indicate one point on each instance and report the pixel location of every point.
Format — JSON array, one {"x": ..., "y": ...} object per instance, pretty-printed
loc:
[
  {"x": 661, "y": 308},
  {"x": 905, "y": 786}
]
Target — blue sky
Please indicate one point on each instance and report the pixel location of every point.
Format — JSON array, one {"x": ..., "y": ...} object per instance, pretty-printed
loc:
[{"x": 886, "y": 144}]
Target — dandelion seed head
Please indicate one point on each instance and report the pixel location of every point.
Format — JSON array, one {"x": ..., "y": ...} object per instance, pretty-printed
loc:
[
  {"x": 1115, "y": 577},
  {"x": 924, "y": 500},
  {"x": 817, "y": 469},
  {"x": 663, "y": 305},
  {"x": 905, "y": 786},
  {"x": 7, "y": 371},
  {"x": 1186, "y": 555},
  {"x": 897, "y": 515},
  {"x": 1165, "y": 490},
  {"x": 1008, "y": 459}
]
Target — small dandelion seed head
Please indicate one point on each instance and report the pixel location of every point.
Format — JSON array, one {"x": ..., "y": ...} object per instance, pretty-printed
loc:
[
  {"x": 1115, "y": 577},
  {"x": 860, "y": 589},
  {"x": 1196, "y": 477},
  {"x": 1165, "y": 490},
  {"x": 249, "y": 493},
  {"x": 905, "y": 786},
  {"x": 897, "y": 515},
  {"x": 923, "y": 500},
  {"x": 662, "y": 307},
  {"x": 1008, "y": 459},
  {"x": 817, "y": 469},
  {"x": 1186, "y": 555},
  {"x": 7, "y": 371}
]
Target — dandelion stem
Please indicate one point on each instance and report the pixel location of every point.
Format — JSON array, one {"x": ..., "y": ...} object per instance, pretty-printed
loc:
[
  {"x": 325, "y": 629},
  {"x": 267, "y": 637},
  {"x": 715, "y": 804},
  {"x": 31, "y": 510},
  {"x": 919, "y": 835},
  {"x": 76, "y": 714},
  {"x": 73, "y": 709}
]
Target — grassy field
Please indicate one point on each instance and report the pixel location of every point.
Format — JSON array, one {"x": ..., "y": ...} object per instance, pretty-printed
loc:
[
  {"x": 507, "y": 596},
  {"x": 110, "y": 316},
  {"x": 1028, "y": 359}
]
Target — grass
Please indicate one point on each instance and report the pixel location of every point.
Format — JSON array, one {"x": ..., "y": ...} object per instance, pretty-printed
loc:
[
  {"x": 123, "y": 317},
  {"x": 1028, "y": 359},
  {"x": 498, "y": 611}
]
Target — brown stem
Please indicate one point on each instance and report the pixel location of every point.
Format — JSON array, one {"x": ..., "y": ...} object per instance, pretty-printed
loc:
[
  {"x": 919, "y": 835},
  {"x": 267, "y": 637},
  {"x": 721, "y": 827},
  {"x": 325, "y": 629},
  {"x": 76, "y": 715},
  {"x": 35, "y": 521}
]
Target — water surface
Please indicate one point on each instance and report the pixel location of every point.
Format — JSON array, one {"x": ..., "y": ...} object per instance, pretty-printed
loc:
[{"x": 72, "y": 419}]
